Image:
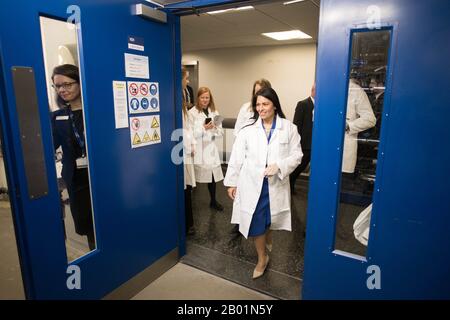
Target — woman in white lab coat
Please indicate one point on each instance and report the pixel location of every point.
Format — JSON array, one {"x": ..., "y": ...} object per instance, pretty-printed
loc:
[
  {"x": 245, "y": 115},
  {"x": 188, "y": 158},
  {"x": 207, "y": 164},
  {"x": 263, "y": 156}
]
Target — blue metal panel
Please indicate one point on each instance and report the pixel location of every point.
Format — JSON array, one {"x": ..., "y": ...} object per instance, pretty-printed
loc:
[
  {"x": 409, "y": 230},
  {"x": 135, "y": 192}
]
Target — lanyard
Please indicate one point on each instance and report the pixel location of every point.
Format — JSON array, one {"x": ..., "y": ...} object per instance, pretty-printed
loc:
[
  {"x": 270, "y": 135},
  {"x": 78, "y": 136}
]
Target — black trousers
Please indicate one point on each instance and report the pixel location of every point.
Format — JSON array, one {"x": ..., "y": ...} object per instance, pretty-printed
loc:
[
  {"x": 212, "y": 190},
  {"x": 80, "y": 205},
  {"x": 188, "y": 207},
  {"x": 301, "y": 167}
]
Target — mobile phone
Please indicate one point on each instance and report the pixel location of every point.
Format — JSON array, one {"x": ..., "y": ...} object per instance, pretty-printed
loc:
[{"x": 207, "y": 120}]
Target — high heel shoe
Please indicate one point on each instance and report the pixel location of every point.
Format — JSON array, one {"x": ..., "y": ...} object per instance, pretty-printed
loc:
[
  {"x": 269, "y": 247},
  {"x": 256, "y": 273}
]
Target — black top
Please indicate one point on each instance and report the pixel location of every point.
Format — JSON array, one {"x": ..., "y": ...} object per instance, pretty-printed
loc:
[
  {"x": 64, "y": 136},
  {"x": 303, "y": 119},
  {"x": 189, "y": 96}
]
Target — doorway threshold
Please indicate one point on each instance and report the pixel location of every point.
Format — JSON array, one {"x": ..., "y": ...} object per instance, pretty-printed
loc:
[{"x": 273, "y": 283}]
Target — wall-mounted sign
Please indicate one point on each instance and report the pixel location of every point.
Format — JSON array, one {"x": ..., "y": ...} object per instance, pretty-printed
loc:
[
  {"x": 137, "y": 66},
  {"x": 120, "y": 104},
  {"x": 136, "y": 43},
  {"x": 143, "y": 97},
  {"x": 145, "y": 131}
]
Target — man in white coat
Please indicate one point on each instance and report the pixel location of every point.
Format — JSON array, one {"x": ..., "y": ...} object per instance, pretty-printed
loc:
[
  {"x": 263, "y": 156},
  {"x": 359, "y": 117}
]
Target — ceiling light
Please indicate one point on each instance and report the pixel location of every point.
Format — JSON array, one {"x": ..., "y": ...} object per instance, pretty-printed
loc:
[
  {"x": 232, "y": 9},
  {"x": 291, "y": 2},
  {"x": 287, "y": 35},
  {"x": 155, "y": 3}
]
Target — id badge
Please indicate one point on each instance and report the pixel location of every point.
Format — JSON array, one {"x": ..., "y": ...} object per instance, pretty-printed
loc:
[{"x": 81, "y": 163}]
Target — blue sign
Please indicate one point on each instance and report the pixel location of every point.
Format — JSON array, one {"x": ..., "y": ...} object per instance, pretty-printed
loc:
[
  {"x": 154, "y": 103},
  {"x": 144, "y": 103},
  {"x": 136, "y": 40},
  {"x": 136, "y": 43},
  {"x": 153, "y": 89},
  {"x": 134, "y": 104}
]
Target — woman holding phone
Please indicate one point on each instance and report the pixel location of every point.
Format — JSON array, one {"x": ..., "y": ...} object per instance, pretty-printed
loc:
[{"x": 207, "y": 164}]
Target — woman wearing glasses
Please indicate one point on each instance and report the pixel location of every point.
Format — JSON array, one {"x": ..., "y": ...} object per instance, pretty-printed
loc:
[{"x": 68, "y": 133}]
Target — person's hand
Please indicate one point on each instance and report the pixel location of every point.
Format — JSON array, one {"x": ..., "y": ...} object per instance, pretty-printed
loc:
[
  {"x": 271, "y": 170},
  {"x": 209, "y": 126},
  {"x": 232, "y": 192}
]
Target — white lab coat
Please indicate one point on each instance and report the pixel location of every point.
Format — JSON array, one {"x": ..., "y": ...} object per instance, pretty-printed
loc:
[
  {"x": 206, "y": 159},
  {"x": 246, "y": 172},
  {"x": 361, "y": 226},
  {"x": 359, "y": 117},
  {"x": 188, "y": 148},
  {"x": 243, "y": 118}
]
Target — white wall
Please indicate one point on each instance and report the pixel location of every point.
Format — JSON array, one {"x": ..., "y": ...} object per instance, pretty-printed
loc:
[
  {"x": 59, "y": 42},
  {"x": 230, "y": 74}
]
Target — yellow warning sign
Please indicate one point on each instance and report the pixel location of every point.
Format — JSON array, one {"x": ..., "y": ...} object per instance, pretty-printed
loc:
[
  {"x": 137, "y": 139},
  {"x": 156, "y": 136},
  {"x": 146, "y": 137},
  {"x": 155, "y": 123}
]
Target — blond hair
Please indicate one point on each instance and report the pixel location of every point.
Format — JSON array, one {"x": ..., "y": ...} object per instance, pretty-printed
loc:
[{"x": 211, "y": 104}]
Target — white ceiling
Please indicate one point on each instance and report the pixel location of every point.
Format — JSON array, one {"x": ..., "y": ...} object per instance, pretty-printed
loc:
[{"x": 244, "y": 28}]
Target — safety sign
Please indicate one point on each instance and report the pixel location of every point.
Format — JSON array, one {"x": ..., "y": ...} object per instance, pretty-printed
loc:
[
  {"x": 143, "y": 97},
  {"x": 145, "y": 131}
]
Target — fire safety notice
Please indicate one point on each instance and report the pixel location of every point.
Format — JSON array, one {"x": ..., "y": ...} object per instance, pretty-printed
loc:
[
  {"x": 143, "y": 97},
  {"x": 145, "y": 131}
]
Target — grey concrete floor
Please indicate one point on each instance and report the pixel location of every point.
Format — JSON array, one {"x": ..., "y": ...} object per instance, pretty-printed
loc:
[{"x": 183, "y": 282}]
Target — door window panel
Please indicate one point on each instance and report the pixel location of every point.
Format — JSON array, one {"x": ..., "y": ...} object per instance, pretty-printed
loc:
[{"x": 368, "y": 69}]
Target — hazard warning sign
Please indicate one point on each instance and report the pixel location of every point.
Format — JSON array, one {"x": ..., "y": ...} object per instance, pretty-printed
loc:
[
  {"x": 136, "y": 140},
  {"x": 146, "y": 137},
  {"x": 145, "y": 131},
  {"x": 155, "y": 122},
  {"x": 143, "y": 97},
  {"x": 156, "y": 136}
]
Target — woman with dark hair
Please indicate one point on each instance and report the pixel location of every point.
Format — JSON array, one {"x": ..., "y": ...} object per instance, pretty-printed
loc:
[
  {"x": 246, "y": 112},
  {"x": 68, "y": 133},
  {"x": 264, "y": 154}
]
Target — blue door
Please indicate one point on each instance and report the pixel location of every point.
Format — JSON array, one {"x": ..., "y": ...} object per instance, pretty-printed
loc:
[
  {"x": 407, "y": 254},
  {"x": 135, "y": 188}
]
